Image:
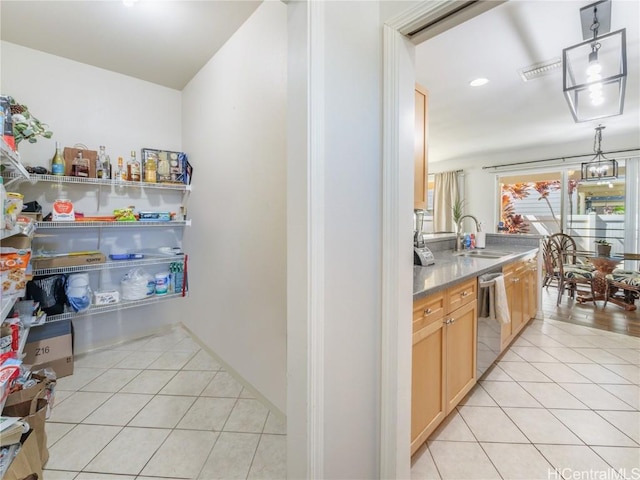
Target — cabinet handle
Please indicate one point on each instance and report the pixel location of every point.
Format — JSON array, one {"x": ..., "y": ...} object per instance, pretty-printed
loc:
[
  {"x": 427, "y": 311},
  {"x": 449, "y": 321},
  {"x": 464, "y": 294}
]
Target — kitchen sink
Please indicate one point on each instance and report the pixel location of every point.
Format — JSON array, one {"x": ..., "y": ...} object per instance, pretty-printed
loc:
[{"x": 482, "y": 253}]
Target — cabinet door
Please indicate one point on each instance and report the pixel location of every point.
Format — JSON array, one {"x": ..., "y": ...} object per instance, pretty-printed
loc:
[
  {"x": 520, "y": 299},
  {"x": 428, "y": 310},
  {"x": 420, "y": 174},
  {"x": 531, "y": 287},
  {"x": 427, "y": 383},
  {"x": 460, "y": 341}
]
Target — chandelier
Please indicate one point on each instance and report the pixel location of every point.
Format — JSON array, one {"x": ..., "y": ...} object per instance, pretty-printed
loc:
[{"x": 599, "y": 167}]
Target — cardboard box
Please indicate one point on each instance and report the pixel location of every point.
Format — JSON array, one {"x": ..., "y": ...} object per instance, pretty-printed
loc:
[
  {"x": 69, "y": 260},
  {"x": 51, "y": 345}
]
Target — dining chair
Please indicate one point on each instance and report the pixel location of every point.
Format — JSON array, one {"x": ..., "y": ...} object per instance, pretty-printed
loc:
[
  {"x": 565, "y": 267},
  {"x": 623, "y": 288}
]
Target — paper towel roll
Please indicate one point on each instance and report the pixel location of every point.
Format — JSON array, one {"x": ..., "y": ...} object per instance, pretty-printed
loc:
[{"x": 480, "y": 239}]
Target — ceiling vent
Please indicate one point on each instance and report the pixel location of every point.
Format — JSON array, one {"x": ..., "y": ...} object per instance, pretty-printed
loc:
[{"x": 539, "y": 69}]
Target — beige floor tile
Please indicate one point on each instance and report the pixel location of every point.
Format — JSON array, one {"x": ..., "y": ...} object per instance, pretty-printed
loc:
[
  {"x": 570, "y": 461},
  {"x": 207, "y": 413},
  {"x": 538, "y": 340},
  {"x": 515, "y": 461},
  {"x": 510, "y": 394},
  {"x": 627, "y": 422},
  {"x": 270, "y": 461},
  {"x": 628, "y": 372},
  {"x": 523, "y": 372},
  {"x": 616, "y": 341},
  {"x": 81, "y": 376},
  {"x": 129, "y": 451},
  {"x": 540, "y": 426},
  {"x": 453, "y": 429},
  {"x": 55, "y": 431},
  {"x": 576, "y": 341},
  {"x": 163, "y": 411},
  {"x": 566, "y": 354},
  {"x": 182, "y": 455},
  {"x": 532, "y": 354},
  {"x": 100, "y": 359},
  {"x": 171, "y": 361},
  {"x": 202, "y": 361},
  {"x": 598, "y": 373},
  {"x": 111, "y": 381},
  {"x": 149, "y": 381},
  {"x": 164, "y": 343},
  {"x": 559, "y": 372},
  {"x": 626, "y": 459},
  {"x": 76, "y": 449},
  {"x": 497, "y": 374},
  {"x": 596, "y": 397},
  {"x": 61, "y": 395},
  {"x": 186, "y": 345},
  {"x": 631, "y": 355},
  {"x": 511, "y": 356},
  {"x": 276, "y": 424},
  {"x": 231, "y": 456},
  {"x": 478, "y": 397},
  {"x": 630, "y": 394},
  {"x": 78, "y": 406},
  {"x": 246, "y": 393},
  {"x": 423, "y": 466},
  {"x": 102, "y": 476},
  {"x": 593, "y": 429},
  {"x": 119, "y": 409},
  {"x": 187, "y": 383},
  {"x": 134, "y": 345},
  {"x": 491, "y": 424},
  {"x": 139, "y": 359},
  {"x": 59, "y": 475},
  {"x": 223, "y": 385},
  {"x": 600, "y": 356},
  {"x": 521, "y": 341},
  {"x": 462, "y": 460},
  {"x": 247, "y": 416},
  {"x": 552, "y": 395}
]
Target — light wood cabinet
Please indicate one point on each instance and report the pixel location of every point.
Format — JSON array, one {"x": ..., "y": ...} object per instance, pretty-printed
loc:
[
  {"x": 444, "y": 356},
  {"x": 421, "y": 167},
  {"x": 521, "y": 285}
]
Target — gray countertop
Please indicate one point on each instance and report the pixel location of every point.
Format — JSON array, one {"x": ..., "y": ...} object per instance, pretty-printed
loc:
[{"x": 450, "y": 269}]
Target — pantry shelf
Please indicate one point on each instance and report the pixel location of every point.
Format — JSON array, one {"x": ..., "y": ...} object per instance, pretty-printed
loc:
[
  {"x": 136, "y": 224},
  {"x": 34, "y": 178},
  {"x": 7, "y": 303},
  {"x": 122, "y": 305},
  {"x": 12, "y": 160},
  {"x": 111, "y": 264}
]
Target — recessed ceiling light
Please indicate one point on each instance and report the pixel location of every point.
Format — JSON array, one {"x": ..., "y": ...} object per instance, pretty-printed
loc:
[{"x": 478, "y": 82}]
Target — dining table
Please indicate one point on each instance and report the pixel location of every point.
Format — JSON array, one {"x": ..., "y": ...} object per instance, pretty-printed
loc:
[{"x": 603, "y": 267}]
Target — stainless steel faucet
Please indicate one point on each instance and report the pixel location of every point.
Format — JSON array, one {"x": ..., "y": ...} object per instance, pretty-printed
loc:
[{"x": 459, "y": 238}]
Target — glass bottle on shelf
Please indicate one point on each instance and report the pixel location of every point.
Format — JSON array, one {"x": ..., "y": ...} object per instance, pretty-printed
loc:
[
  {"x": 133, "y": 168},
  {"x": 121, "y": 173},
  {"x": 57, "y": 162},
  {"x": 103, "y": 164},
  {"x": 150, "y": 169}
]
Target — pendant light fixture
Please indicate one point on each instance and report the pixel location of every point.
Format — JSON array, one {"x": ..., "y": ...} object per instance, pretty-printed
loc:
[
  {"x": 595, "y": 71},
  {"x": 600, "y": 167}
]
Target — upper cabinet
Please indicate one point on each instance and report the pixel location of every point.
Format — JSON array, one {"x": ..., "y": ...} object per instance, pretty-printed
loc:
[{"x": 420, "y": 178}]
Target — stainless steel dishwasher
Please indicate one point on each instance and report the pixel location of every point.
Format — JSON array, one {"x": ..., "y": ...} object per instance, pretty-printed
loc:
[{"x": 489, "y": 328}]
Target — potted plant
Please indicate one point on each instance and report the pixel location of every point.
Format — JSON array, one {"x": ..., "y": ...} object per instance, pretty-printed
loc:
[
  {"x": 603, "y": 248},
  {"x": 25, "y": 125}
]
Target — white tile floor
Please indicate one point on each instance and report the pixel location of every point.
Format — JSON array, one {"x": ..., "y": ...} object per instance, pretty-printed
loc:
[
  {"x": 160, "y": 407},
  {"x": 563, "y": 402}
]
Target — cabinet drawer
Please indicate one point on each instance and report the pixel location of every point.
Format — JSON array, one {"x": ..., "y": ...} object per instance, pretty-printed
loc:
[
  {"x": 461, "y": 294},
  {"x": 427, "y": 310}
]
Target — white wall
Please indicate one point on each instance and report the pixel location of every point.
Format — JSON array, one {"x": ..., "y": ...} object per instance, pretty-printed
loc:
[
  {"x": 89, "y": 105},
  {"x": 234, "y": 114},
  {"x": 335, "y": 146}
]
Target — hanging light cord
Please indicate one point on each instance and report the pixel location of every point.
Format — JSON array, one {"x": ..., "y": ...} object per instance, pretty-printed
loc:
[{"x": 597, "y": 140}]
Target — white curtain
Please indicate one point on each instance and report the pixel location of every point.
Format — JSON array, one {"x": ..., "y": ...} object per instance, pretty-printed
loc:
[{"x": 445, "y": 193}]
